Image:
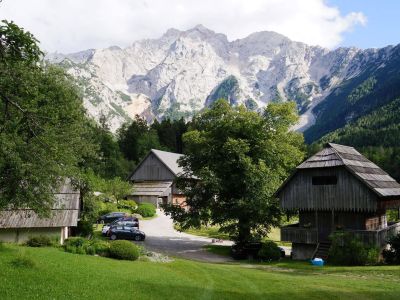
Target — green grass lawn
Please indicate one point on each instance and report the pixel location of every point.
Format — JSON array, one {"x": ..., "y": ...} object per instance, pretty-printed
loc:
[
  {"x": 60, "y": 275},
  {"x": 207, "y": 231},
  {"x": 213, "y": 232}
]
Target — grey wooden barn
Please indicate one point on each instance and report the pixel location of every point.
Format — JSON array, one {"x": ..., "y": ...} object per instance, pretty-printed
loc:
[
  {"x": 17, "y": 225},
  {"x": 337, "y": 189},
  {"x": 153, "y": 179}
]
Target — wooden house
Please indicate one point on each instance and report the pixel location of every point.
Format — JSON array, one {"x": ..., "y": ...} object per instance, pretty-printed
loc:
[
  {"x": 153, "y": 179},
  {"x": 338, "y": 189},
  {"x": 17, "y": 225}
]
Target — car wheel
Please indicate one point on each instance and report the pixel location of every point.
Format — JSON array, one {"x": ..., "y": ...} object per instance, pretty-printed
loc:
[
  {"x": 137, "y": 238},
  {"x": 113, "y": 237}
]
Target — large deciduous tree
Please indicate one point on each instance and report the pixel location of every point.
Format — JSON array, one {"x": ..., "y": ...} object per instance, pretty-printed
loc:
[
  {"x": 43, "y": 135},
  {"x": 234, "y": 161}
]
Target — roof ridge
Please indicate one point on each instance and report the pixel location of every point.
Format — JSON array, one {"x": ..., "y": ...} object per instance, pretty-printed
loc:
[
  {"x": 153, "y": 150},
  {"x": 330, "y": 144}
]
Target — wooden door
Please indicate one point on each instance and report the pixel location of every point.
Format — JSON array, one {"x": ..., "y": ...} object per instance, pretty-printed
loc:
[{"x": 324, "y": 225}]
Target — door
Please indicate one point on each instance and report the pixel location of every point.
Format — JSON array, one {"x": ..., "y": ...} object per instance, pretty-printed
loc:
[{"x": 324, "y": 225}]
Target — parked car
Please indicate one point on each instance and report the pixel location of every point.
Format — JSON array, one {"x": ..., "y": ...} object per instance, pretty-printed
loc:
[
  {"x": 125, "y": 233},
  {"x": 126, "y": 221},
  {"x": 111, "y": 217}
]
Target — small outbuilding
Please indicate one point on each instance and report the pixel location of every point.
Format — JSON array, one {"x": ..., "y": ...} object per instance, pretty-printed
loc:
[
  {"x": 338, "y": 189},
  {"x": 153, "y": 179},
  {"x": 17, "y": 225}
]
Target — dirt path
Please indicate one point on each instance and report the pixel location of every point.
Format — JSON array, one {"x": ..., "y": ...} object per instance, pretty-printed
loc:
[{"x": 162, "y": 237}]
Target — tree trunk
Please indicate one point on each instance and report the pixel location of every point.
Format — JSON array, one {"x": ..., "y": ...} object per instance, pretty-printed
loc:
[{"x": 244, "y": 231}]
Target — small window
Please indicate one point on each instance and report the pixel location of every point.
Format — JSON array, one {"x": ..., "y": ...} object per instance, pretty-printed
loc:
[{"x": 324, "y": 180}]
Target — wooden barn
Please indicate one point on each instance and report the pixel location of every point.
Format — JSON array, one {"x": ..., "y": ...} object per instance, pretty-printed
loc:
[
  {"x": 17, "y": 225},
  {"x": 153, "y": 179},
  {"x": 338, "y": 189}
]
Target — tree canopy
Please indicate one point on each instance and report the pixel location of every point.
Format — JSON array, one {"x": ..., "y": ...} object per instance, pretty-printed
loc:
[
  {"x": 234, "y": 161},
  {"x": 43, "y": 136}
]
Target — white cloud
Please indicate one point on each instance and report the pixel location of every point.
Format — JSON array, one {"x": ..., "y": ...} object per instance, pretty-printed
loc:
[{"x": 73, "y": 25}]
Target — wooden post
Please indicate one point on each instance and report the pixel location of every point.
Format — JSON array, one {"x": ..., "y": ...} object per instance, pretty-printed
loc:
[
  {"x": 316, "y": 224},
  {"x": 333, "y": 221}
]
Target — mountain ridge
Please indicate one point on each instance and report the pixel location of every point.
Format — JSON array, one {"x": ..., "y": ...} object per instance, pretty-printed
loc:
[{"x": 178, "y": 73}]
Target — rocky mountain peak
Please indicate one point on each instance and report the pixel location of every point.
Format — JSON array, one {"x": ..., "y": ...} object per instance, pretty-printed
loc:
[{"x": 183, "y": 71}]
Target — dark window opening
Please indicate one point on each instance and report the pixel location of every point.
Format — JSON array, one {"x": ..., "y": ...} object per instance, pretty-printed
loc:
[{"x": 324, "y": 180}]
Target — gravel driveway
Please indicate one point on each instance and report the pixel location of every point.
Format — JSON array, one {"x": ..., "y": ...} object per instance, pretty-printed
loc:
[{"x": 162, "y": 237}]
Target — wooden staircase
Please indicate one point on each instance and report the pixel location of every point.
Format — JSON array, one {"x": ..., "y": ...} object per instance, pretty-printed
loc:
[{"x": 322, "y": 250}]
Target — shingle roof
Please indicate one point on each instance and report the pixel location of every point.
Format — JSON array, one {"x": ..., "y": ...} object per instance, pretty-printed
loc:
[
  {"x": 170, "y": 159},
  {"x": 366, "y": 171},
  {"x": 64, "y": 213}
]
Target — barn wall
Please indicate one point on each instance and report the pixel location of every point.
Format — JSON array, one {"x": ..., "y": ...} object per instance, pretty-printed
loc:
[
  {"x": 152, "y": 169},
  {"x": 178, "y": 200},
  {"x": 348, "y": 194},
  {"x": 21, "y": 235},
  {"x": 145, "y": 199}
]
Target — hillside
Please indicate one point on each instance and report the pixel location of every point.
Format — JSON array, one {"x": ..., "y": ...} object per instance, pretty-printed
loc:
[
  {"x": 377, "y": 135},
  {"x": 181, "y": 72},
  {"x": 376, "y": 86}
]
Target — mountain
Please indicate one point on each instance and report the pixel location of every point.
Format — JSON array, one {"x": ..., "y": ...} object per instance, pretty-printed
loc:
[
  {"x": 376, "y": 85},
  {"x": 375, "y": 134},
  {"x": 181, "y": 72}
]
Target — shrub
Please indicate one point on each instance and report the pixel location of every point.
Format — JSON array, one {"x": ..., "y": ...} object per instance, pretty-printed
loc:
[
  {"x": 76, "y": 245},
  {"x": 348, "y": 251},
  {"x": 124, "y": 250},
  {"x": 146, "y": 210},
  {"x": 23, "y": 261},
  {"x": 107, "y": 207},
  {"x": 127, "y": 204},
  {"x": 269, "y": 251},
  {"x": 90, "y": 250},
  {"x": 84, "y": 228},
  {"x": 101, "y": 248},
  {"x": 392, "y": 255},
  {"x": 39, "y": 241},
  {"x": 372, "y": 256}
]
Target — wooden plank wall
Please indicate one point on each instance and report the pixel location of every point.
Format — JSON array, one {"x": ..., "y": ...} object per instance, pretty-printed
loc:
[
  {"x": 152, "y": 169},
  {"x": 349, "y": 194}
]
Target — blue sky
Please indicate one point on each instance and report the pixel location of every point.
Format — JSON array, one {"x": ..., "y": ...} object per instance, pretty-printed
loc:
[{"x": 383, "y": 22}]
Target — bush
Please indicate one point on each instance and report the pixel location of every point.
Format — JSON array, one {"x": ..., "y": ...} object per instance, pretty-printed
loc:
[
  {"x": 39, "y": 241},
  {"x": 84, "y": 228},
  {"x": 76, "y": 245},
  {"x": 269, "y": 251},
  {"x": 392, "y": 255},
  {"x": 101, "y": 248},
  {"x": 348, "y": 251},
  {"x": 146, "y": 210},
  {"x": 124, "y": 250},
  {"x": 107, "y": 207},
  {"x": 127, "y": 204}
]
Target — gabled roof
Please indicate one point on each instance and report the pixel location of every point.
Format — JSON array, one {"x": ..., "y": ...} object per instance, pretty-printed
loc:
[
  {"x": 65, "y": 212},
  {"x": 170, "y": 160},
  {"x": 367, "y": 172}
]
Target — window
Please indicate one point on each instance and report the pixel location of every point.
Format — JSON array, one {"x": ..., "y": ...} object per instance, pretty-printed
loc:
[{"x": 324, "y": 180}]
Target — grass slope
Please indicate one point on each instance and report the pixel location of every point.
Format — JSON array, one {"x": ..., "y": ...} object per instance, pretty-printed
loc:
[{"x": 60, "y": 275}]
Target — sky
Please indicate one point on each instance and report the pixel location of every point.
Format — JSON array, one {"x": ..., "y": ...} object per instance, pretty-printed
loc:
[{"x": 73, "y": 25}]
